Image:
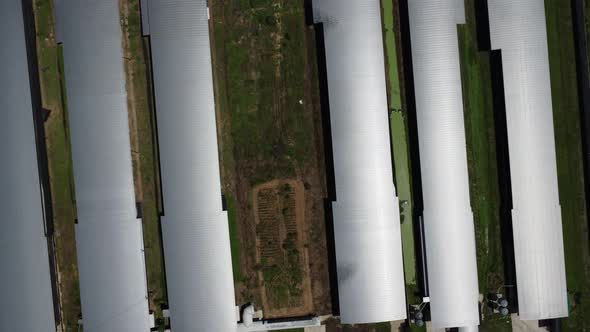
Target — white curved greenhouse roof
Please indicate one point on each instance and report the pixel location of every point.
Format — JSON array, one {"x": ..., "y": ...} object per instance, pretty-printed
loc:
[
  {"x": 25, "y": 278},
  {"x": 111, "y": 263},
  {"x": 366, "y": 210},
  {"x": 448, "y": 220},
  {"x": 194, "y": 226},
  {"x": 518, "y": 29}
]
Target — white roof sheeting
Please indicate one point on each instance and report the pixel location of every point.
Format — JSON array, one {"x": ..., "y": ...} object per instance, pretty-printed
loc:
[
  {"x": 24, "y": 281},
  {"x": 366, "y": 210},
  {"x": 195, "y": 227},
  {"x": 111, "y": 263},
  {"x": 448, "y": 220},
  {"x": 518, "y": 29}
]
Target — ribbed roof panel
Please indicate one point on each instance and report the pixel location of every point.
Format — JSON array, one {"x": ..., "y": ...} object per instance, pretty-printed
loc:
[
  {"x": 519, "y": 30},
  {"x": 195, "y": 229},
  {"x": 448, "y": 220},
  {"x": 366, "y": 211},
  {"x": 25, "y": 279},
  {"x": 113, "y": 288}
]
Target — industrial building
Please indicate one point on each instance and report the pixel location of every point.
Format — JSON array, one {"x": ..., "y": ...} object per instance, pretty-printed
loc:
[
  {"x": 448, "y": 220},
  {"x": 109, "y": 238},
  {"x": 518, "y": 30},
  {"x": 25, "y": 281},
  {"x": 194, "y": 225},
  {"x": 365, "y": 207}
]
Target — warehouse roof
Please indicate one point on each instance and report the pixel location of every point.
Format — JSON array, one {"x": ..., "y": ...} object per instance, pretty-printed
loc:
[
  {"x": 25, "y": 278},
  {"x": 194, "y": 225},
  {"x": 111, "y": 263},
  {"x": 518, "y": 29},
  {"x": 366, "y": 210},
  {"x": 448, "y": 220}
]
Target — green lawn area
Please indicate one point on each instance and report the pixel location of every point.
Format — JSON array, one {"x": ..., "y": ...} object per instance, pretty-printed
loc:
[
  {"x": 395, "y": 100},
  {"x": 399, "y": 141},
  {"x": 496, "y": 323},
  {"x": 60, "y": 163},
  {"x": 262, "y": 68},
  {"x": 481, "y": 154},
  {"x": 234, "y": 237},
  {"x": 482, "y": 162},
  {"x": 382, "y": 327},
  {"x": 569, "y": 161},
  {"x": 377, "y": 327}
]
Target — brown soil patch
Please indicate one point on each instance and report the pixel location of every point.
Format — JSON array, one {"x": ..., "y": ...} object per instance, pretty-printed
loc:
[{"x": 279, "y": 213}]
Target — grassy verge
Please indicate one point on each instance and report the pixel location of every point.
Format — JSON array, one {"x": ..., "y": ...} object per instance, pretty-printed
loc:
[
  {"x": 377, "y": 327},
  {"x": 144, "y": 154},
  {"x": 481, "y": 154},
  {"x": 399, "y": 140},
  {"x": 234, "y": 237},
  {"x": 395, "y": 100},
  {"x": 482, "y": 164},
  {"x": 569, "y": 161},
  {"x": 263, "y": 70},
  {"x": 60, "y": 163}
]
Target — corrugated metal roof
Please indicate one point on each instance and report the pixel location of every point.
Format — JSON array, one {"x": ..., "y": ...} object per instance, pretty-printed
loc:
[
  {"x": 519, "y": 30},
  {"x": 366, "y": 212},
  {"x": 195, "y": 227},
  {"x": 111, "y": 262},
  {"x": 448, "y": 220},
  {"x": 24, "y": 281},
  {"x": 112, "y": 274}
]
